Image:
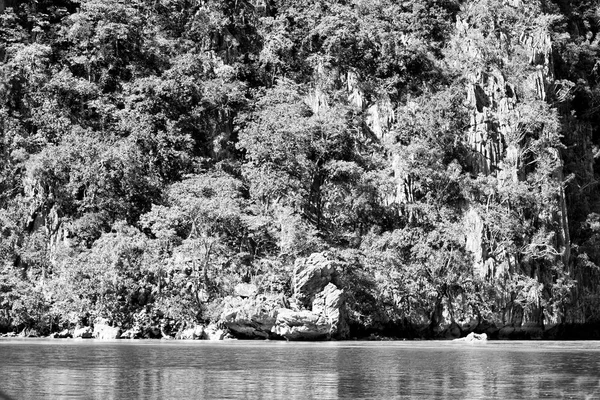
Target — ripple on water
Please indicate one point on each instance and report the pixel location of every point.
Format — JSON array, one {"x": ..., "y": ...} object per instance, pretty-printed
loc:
[{"x": 41, "y": 369}]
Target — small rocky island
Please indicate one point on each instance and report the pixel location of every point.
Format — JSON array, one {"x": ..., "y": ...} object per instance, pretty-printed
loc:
[{"x": 300, "y": 170}]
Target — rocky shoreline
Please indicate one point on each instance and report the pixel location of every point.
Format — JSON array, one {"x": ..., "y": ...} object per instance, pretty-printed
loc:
[
  {"x": 317, "y": 310},
  {"x": 214, "y": 333}
]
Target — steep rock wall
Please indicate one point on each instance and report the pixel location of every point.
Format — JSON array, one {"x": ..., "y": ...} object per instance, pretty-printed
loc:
[{"x": 498, "y": 145}]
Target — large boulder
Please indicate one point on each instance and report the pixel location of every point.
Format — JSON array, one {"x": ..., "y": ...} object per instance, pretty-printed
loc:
[
  {"x": 102, "y": 330},
  {"x": 133, "y": 333},
  {"x": 64, "y": 334},
  {"x": 325, "y": 321},
  {"x": 212, "y": 332},
  {"x": 193, "y": 333},
  {"x": 29, "y": 333},
  {"x": 316, "y": 310},
  {"x": 331, "y": 304},
  {"x": 473, "y": 337},
  {"x": 85, "y": 332},
  {"x": 301, "y": 325},
  {"x": 311, "y": 275},
  {"x": 251, "y": 318}
]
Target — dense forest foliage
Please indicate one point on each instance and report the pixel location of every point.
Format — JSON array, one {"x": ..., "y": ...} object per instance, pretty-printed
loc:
[{"x": 155, "y": 154}]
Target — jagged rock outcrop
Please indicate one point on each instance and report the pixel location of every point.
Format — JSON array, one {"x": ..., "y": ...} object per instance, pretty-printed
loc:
[
  {"x": 473, "y": 338},
  {"x": 301, "y": 325},
  {"x": 252, "y": 317},
  {"x": 319, "y": 304},
  {"x": 311, "y": 275},
  {"x": 379, "y": 112},
  {"x": 330, "y": 304},
  {"x": 64, "y": 334},
  {"x": 31, "y": 333},
  {"x": 133, "y": 333},
  {"x": 44, "y": 215},
  {"x": 193, "y": 333},
  {"x": 85, "y": 332},
  {"x": 315, "y": 311},
  {"x": 326, "y": 319},
  {"x": 212, "y": 332},
  {"x": 498, "y": 143},
  {"x": 102, "y": 330}
]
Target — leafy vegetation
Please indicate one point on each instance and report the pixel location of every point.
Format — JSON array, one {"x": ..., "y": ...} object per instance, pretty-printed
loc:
[{"x": 154, "y": 154}]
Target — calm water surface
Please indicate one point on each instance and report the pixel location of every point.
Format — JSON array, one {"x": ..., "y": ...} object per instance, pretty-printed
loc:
[{"x": 88, "y": 369}]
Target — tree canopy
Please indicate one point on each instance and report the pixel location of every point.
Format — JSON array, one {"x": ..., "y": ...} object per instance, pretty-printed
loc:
[{"x": 155, "y": 154}]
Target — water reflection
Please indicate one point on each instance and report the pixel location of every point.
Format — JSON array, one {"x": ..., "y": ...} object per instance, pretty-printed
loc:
[{"x": 36, "y": 369}]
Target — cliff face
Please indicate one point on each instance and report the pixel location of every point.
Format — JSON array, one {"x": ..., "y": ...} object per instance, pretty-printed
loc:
[
  {"x": 505, "y": 56},
  {"x": 575, "y": 53},
  {"x": 500, "y": 139},
  {"x": 506, "y": 61},
  {"x": 445, "y": 150}
]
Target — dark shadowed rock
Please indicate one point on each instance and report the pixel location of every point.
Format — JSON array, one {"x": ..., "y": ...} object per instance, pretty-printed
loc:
[{"x": 527, "y": 330}]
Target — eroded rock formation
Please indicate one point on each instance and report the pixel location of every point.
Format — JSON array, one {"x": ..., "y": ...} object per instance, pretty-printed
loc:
[
  {"x": 102, "y": 330},
  {"x": 192, "y": 333},
  {"x": 251, "y": 317},
  {"x": 498, "y": 144},
  {"x": 315, "y": 311},
  {"x": 324, "y": 320},
  {"x": 311, "y": 275},
  {"x": 85, "y": 332}
]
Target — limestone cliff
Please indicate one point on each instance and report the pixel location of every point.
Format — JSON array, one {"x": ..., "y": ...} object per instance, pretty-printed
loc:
[
  {"x": 499, "y": 140},
  {"x": 505, "y": 58}
]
